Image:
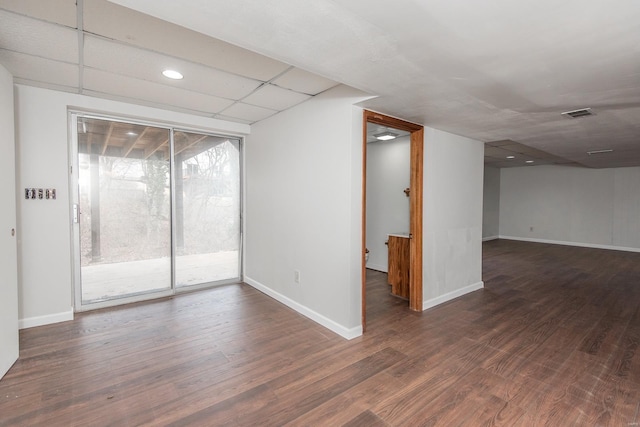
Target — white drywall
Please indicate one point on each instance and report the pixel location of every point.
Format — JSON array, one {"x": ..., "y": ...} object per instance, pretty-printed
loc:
[
  {"x": 626, "y": 207},
  {"x": 8, "y": 252},
  {"x": 452, "y": 246},
  {"x": 44, "y": 249},
  {"x": 303, "y": 208},
  {"x": 303, "y": 205},
  {"x": 388, "y": 172},
  {"x": 592, "y": 207},
  {"x": 491, "y": 204}
]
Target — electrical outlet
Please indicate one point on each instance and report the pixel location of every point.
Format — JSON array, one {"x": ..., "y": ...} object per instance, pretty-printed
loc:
[
  {"x": 296, "y": 276},
  {"x": 531, "y": 228}
]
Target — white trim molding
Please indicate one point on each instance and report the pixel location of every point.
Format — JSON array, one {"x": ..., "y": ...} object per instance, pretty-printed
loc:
[
  {"x": 32, "y": 322},
  {"x": 486, "y": 239},
  {"x": 306, "y": 311},
  {"x": 426, "y": 304},
  {"x": 578, "y": 244}
]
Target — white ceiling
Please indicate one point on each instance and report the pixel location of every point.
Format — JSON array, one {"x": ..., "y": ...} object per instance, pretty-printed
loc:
[
  {"x": 491, "y": 70},
  {"x": 124, "y": 52},
  {"x": 496, "y": 70}
]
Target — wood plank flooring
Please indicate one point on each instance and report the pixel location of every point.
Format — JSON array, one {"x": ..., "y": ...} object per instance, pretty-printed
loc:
[{"x": 551, "y": 340}]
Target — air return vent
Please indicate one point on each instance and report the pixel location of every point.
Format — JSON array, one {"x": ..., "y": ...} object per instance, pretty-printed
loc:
[{"x": 578, "y": 113}]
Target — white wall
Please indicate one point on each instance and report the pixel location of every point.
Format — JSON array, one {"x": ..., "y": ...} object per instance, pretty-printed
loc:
[
  {"x": 452, "y": 223},
  {"x": 303, "y": 208},
  {"x": 491, "y": 204},
  {"x": 388, "y": 172},
  {"x": 44, "y": 247},
  {"x": 8, "y": 252},
  {"x": 590, "y": 207}
]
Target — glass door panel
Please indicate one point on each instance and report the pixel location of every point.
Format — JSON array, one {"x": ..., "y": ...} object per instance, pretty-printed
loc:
[
  {"x": 124, "y": 198},
  {"x": 207, "y": 208}
]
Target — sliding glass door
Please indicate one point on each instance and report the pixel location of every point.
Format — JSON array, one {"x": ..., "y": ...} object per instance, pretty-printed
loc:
[
  {"x": 147, "y": 225},
  {"x": 207, "y": 201}
]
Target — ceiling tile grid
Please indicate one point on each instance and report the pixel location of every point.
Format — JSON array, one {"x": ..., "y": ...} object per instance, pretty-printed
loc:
[
  {"x": 145, "y": 65},
  {"x": 34, "y": 69},
  {"x": 135, "y": 28},
  {"x": 275, "y": 98},
  {"x": 61, "y": 12},
  {"x": 304, "y": 82},
  {"x": 126, "y": 87},
  {"x": 248, "y": 112},
  {"x": 31, "y": 36},
  {"x": 124, "y": 53}
]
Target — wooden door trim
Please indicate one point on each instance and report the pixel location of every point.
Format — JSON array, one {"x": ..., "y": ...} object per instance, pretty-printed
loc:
[{"x": 415, "y": 204}]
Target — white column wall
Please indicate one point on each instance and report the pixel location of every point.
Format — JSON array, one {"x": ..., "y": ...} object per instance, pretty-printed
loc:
[
  {"x": 452, "y": 247},
  {"x": 303, "y": 208}
]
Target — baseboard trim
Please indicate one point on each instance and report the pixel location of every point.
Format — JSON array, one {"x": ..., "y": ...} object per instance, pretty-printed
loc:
[
  {"x": 306, "y": 311},
  {"x": 32, "y": 322},
  {"x": 577, "y": 244},
  {"x": 426, "y": 304},
  {"x": 377, "y": 267},
  {"x": 486, "y": 239}
]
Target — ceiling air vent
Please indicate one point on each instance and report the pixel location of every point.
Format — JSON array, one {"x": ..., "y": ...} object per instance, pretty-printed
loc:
[{"x": 578, "y": 113}]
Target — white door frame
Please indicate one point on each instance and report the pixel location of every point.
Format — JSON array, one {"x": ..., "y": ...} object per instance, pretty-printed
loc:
[{"x": 9, "y": 324}]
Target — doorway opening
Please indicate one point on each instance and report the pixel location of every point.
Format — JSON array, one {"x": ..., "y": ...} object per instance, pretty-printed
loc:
[{"x": 414, "y": 193}]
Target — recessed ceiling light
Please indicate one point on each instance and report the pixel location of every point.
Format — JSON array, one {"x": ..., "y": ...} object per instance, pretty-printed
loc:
[
  {"x": 511, "y": 157},
  {"x": 599, "y": 151},
  {"x": 172, "y": 74},
  {"x": 385, "y": 136},
  {"x": 529, "y": 161}
]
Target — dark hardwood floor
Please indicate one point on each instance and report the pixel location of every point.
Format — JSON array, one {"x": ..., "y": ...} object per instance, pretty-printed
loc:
[{"x": 551, "y": 340}]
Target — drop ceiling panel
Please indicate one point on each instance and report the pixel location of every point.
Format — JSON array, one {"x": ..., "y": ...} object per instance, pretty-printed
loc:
[
  {"x": 303, "y": 81},
  {"x": 234, "y": 119},
  {"x": 117, "y": 22},
  {"x": 160, "y": 95},
  {"x": 275, "y": 98},
  {"x": 145, "y": 65},
  {"x": 248, "y": 112},
  {"x": 59, "y": 11},
  {"x": 41, "y": 70},
  {"x": 27, "y": 35}
]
